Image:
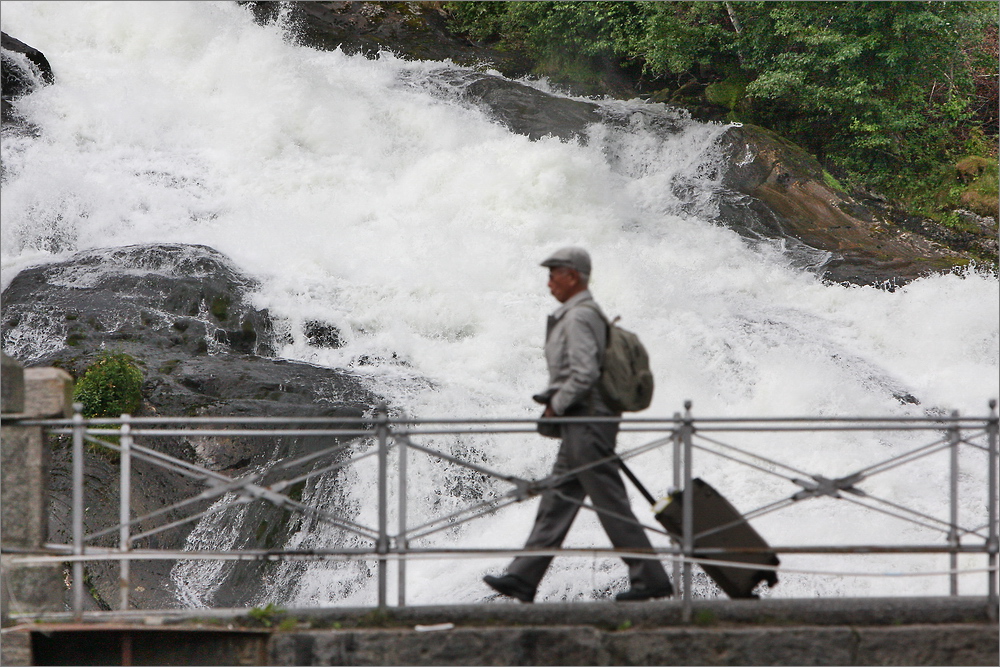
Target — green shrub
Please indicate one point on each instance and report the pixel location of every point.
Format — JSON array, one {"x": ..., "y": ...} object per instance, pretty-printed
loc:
[{"x": 110, "y": 387}]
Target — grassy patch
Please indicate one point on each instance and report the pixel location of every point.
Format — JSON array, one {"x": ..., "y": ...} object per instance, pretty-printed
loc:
[
  {"x": 167, "y": 367},
  {"x": 705, "y": 617},
  {"x": 220, "y": 308}
]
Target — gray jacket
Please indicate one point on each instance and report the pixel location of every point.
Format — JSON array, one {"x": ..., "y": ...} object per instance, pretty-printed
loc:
[{"x": 575, "y": 340}]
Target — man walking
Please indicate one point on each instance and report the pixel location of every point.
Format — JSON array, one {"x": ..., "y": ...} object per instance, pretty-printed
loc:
[{"x": 575, "y": 343}]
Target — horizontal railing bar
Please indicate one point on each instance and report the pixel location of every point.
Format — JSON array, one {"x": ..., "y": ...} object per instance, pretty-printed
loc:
[
  {"x": 204, "y": 420},
  {"x": 814, "y": 428},
  {"x": 60, "y": 550},
  {"x": 476, "y": 431},
  {"x": 201, "y": 433},
  {"x": 108, "y": 554},
  {"x": 163, "y": 433},
  {"x": 931, "y": 422}
]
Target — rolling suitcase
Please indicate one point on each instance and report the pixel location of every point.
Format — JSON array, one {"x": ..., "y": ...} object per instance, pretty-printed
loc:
[{"x": 711, "y": 510}]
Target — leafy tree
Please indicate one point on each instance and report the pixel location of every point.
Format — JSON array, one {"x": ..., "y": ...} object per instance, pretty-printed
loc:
[
  {"x": 876, "y": 83},
  {"x": 568, "y": 40}
]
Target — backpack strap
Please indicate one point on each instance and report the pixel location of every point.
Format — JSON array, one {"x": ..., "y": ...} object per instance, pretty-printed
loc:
[
  {"x": 590, "y": 305},
  {"x": 607, "y": 324}
]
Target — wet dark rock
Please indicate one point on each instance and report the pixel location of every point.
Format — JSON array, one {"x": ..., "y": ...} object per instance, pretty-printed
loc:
[
  {"x": 321, "y": 334},
  {"x": 523, "y": 109},
  {"x": 19, "y": 80},
  {"x": 184, "y": 313},
  {"x": 24, "y": 69},
  {"x": 153, "y": 301},
  {"x": 982, "y": 223}
]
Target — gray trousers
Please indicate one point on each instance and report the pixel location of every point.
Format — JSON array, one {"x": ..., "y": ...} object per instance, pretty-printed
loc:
[{"x": 584, "y": 443}]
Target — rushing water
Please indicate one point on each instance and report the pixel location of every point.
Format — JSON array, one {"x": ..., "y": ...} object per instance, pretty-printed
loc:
[{"x": 365, "y": 194}]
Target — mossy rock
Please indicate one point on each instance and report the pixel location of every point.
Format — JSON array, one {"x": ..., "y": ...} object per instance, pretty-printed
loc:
[
  {"x": 971, "y": 167},
  {"x": 980, "y": 195}
]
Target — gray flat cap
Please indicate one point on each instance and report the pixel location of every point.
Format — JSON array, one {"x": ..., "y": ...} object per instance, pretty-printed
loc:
[{"x": 571, "y": 257}]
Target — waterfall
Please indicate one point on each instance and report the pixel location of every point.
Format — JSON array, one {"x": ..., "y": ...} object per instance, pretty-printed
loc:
[{"x": 371, "y": 196}]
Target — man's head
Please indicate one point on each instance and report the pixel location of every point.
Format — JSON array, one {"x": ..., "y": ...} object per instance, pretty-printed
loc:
[{"x": 569, "y": 272}]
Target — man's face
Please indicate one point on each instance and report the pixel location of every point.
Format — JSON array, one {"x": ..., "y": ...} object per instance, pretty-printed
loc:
[{"x": 563, "y": 283}]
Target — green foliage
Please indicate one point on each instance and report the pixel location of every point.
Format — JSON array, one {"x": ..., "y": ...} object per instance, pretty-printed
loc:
[
  {"x": 831, "y": 182},
  {"x": 110, "y": 387},
  {"x": 568, "y": 40},
  {"x": 288, "y": 624},
  {"x": 685, "y": 38},
  {"x": 946, "y": 188},
  {"x": 266, "y": 615},
  {"x": 879, "y": 85}
]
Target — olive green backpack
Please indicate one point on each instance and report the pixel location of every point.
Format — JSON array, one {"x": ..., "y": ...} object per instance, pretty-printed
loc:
[{"x": 626, "y": 382}]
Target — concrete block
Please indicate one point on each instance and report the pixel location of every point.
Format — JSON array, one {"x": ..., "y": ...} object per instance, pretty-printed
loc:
[
  {"x": 48, "y": 393},
  {"x": 34, "y": 589},
  {"x": 24, "y": 490},
  {"x": 460, "y": 646},
  {"x": 733, "y": 646},
  {"x": 24, "y": 482},
  {"x": 15, "y": 648},
  {"x": 946, "y": 644},
  {"x": 12, "y": 382}
]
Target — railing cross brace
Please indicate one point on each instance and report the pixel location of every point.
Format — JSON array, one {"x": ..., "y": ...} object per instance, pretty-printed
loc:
[{"x": 824, "y": 486}]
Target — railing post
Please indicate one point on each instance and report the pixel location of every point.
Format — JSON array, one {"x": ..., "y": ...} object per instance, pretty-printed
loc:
[
  {"x": 993, "y": 541},
  {"x": 78, "y": 585},
  {"x": 401, "y": 541},
  {"x": 382, "y": 546},
  {"x": 678, "y": 484},
  {"x": 688, "y": 514},
  {"x": 954, "y": 437},
  {"x": 125, "y": 510}
]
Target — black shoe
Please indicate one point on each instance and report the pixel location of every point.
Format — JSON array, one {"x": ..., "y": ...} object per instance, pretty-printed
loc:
[
  {"x": 637, "y": 593},
  {"x": 511, "y": 586}
]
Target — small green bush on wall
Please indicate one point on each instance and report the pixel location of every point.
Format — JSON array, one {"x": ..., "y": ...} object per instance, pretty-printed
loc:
[{"x": 110, "y": 387}]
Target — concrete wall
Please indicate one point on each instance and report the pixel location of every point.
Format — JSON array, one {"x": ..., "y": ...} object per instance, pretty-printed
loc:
[
  {"x": 35, "y": 393},
  {"x": 575, "y": 645},
  {"x": 916, "y": 644}
]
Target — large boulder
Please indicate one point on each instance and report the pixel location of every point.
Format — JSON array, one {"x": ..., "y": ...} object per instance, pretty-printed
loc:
[{"x": 183, "y": 312}]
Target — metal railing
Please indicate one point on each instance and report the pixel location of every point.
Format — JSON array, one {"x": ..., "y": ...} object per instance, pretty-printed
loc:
[{"x": 134, "y": 438}]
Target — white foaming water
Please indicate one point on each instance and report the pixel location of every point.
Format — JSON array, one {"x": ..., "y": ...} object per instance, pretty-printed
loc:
[{"x": 415, "y": 225}]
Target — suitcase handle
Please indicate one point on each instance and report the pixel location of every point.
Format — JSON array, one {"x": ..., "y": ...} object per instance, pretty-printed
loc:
[{"x": 635, "y": 480}]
